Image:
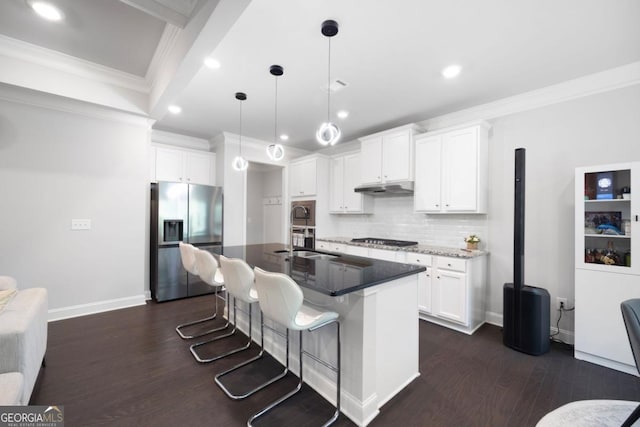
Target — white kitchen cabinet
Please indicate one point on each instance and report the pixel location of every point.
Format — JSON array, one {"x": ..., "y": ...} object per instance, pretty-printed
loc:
[
  {"x": 387, "y": 156},
  {"x": 330, "y": 246},
  {"x": 182, "y": 165},
  {"x": 424, "y": 280},
  {"x": 387, "y": 255},
  {"x": 303, "y": 177},
  {"x": 607, "y": 266},
  {"x": 451, "y": 292},
  {"x": 345, "y": 176},
  {"x": 451, "y": 170}
]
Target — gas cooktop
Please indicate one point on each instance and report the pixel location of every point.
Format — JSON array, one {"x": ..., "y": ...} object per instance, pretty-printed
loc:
[{"x": 387, "y": 242}]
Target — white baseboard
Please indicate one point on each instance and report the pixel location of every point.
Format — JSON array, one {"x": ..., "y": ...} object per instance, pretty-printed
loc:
[
  {"x": 95, "y": 307},
  {"x": 564, "y": 335},
  {"x": 612, "y": 364}
]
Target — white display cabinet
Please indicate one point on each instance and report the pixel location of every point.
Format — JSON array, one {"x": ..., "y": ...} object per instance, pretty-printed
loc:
[{"x": 607, "y": 272}]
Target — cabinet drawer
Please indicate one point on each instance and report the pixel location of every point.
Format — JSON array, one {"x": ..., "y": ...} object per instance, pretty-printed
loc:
[
  {"x": 455, "y": 264},
  {"x": 421, "y": 259}
]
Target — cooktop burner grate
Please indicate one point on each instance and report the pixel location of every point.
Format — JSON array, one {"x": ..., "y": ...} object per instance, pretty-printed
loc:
[{"x": 387, "y": 242}]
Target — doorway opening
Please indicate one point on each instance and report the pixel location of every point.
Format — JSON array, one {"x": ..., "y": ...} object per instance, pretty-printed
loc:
[{"x": 264, "y": 219}]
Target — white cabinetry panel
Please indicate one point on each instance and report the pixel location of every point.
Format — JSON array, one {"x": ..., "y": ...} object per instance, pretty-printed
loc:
[{"x": 451, "y": 171}]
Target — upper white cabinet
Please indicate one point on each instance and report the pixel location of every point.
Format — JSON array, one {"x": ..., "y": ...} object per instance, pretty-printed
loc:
[
  {"x": 345, "y": 176},
  {"x": 303, "y": 177},
  {"x": 182, "y": 165},
  {"x": 451, "y": 170},
  {"x": 388, "y": 156}
]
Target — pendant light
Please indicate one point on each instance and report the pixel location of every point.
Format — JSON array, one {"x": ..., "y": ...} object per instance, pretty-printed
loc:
[
  {"x": 275, "y": 151},
  {"x": 240, "y": 163},
  {"x": 328, "y": 133}
]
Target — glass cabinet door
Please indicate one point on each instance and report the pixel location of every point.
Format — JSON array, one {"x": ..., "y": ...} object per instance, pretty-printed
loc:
[{"x": 606, "y": 218}]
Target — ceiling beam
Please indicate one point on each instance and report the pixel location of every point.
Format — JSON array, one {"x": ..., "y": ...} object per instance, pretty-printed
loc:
[
  {"x": 204, "y": 31},
  {"x": 175, "y": 12}
]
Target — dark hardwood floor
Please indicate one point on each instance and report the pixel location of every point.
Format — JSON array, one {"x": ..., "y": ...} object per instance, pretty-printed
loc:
[{"x": 129, "y": 368}]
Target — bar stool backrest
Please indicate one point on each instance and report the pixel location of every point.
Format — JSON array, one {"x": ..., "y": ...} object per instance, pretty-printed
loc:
[
  {"x": 206, "y": 265},
  {"x": 279, "y": 296},
  {"x": 187, "y": 255},
  {"x": 238, "y": 278}
]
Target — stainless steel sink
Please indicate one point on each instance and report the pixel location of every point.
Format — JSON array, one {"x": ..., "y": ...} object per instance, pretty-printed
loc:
[{"x": 301, "y": 253}]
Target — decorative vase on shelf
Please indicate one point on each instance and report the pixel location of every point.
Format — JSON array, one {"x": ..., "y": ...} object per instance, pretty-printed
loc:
[{"x": 472, "y": 246}]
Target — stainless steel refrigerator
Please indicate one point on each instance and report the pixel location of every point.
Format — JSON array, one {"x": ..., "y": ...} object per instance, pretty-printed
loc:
[{"x": 182, "y": 212}]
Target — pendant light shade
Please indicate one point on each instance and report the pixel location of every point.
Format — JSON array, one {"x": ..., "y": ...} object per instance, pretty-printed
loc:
[
  {"x": 328, "y": 133},
  {"x": 239, "y": 163},
  {"x": 275, "y": 151}
]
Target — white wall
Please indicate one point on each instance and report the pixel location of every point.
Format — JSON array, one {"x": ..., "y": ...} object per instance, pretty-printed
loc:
[
  {"x": 592, "y": 130},
  {"x": 255, "y": 209},
  {"x": 57, "y": 165}
]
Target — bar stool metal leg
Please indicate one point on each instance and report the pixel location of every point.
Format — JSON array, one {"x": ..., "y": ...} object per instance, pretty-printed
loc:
[
  {"x": 193, "y": 347},
  {"x": 247, "y": 362},
  {"x": 203, "y": 320},
  {"x": 299, "y": 386}
]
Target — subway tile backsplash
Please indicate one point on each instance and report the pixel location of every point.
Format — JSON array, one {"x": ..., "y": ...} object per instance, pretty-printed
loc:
[{"x": 393, "y": 218}]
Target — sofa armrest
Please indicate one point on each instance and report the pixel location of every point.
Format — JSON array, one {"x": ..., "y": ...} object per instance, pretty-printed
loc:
[{"x": 23, "y": 336}]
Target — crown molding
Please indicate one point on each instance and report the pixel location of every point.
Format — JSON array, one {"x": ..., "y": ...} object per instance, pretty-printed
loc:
[
  {"x": 39, "y": 99},
  {"x": 605, "y": 81},
  {"x": 179, "y": 140},
  {"x": 162, "y": 53},
  {"x": 30, "y": 53}
]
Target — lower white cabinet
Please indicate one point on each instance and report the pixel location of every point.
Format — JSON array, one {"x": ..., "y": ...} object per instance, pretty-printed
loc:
[
  {"x": 425, "y": 288},
  {"x": 330, "y": 246},
  {"x": 451, "y": 292}
]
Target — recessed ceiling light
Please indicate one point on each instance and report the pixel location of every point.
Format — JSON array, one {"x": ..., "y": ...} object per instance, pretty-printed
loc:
[
  {"x": 46, "y": 10},
  {"x": 451, "y": 71},
  {"x": 284, "y": 137},
  {"x": 174, "y": 109},
  {"x": 212, "y": 63},
  {"x": 342, "y": 114}
]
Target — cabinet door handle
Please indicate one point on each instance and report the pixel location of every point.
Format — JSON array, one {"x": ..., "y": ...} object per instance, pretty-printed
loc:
[
  {"x": 636, "y": 218},
  {"x": 449, "y": 265},
  {"x": 447, "y": 205},
  {"x": 437, "y": 206},
  {"x": 438, "y": 277}
]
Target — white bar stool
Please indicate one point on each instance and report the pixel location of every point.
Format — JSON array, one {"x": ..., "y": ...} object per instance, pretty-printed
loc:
[
  {"x": 281, "y": 299},
  {"x": 188, "y": 257},
  {"x": 240, "y": 284},
  {"x": 208, "y": 270}
]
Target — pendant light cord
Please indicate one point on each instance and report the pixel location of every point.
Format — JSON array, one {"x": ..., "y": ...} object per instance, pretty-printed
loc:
[
  {"x": 329, "y": 83},
  {"x": 275, "y": 114},
  {"x": 240, "y": 143}
]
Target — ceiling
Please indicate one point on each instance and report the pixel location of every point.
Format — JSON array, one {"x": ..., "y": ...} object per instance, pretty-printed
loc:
[{"x": 389, "y": 52}]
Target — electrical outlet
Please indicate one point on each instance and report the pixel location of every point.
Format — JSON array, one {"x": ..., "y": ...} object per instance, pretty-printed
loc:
[
  {"x": 81, "y": 224},
  {"x": 561, "y": 302}
]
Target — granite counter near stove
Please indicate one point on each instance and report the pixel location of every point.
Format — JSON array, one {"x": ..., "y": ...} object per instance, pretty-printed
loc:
[{"x": 422, "y": 249}]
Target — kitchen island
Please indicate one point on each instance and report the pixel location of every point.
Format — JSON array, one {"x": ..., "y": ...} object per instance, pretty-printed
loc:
[{"x": 377, "y": 304}]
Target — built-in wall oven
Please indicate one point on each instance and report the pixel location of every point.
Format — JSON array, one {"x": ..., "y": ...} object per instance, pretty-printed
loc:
[{"x": 303, "y": 223}]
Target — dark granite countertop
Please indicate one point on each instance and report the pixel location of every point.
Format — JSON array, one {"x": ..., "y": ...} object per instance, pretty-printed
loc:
[{"x": 330, "y": 276}]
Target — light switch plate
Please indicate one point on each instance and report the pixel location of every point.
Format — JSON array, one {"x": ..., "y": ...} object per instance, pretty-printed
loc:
[{"x": 81, "y": 224}]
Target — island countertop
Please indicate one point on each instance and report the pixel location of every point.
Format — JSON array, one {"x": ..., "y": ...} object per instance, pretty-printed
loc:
[{"x": 330, "y": 276}]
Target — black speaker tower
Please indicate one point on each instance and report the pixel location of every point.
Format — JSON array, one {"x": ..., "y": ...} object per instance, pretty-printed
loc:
[{"x": 526, "y": 308}]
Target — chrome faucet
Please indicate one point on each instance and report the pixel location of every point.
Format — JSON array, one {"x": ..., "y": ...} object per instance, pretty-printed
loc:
[{"x": 306, "y": 216}]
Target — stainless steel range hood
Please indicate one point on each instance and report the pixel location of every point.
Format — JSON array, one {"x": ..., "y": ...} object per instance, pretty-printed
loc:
[{"x": 395, "y": 189}]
